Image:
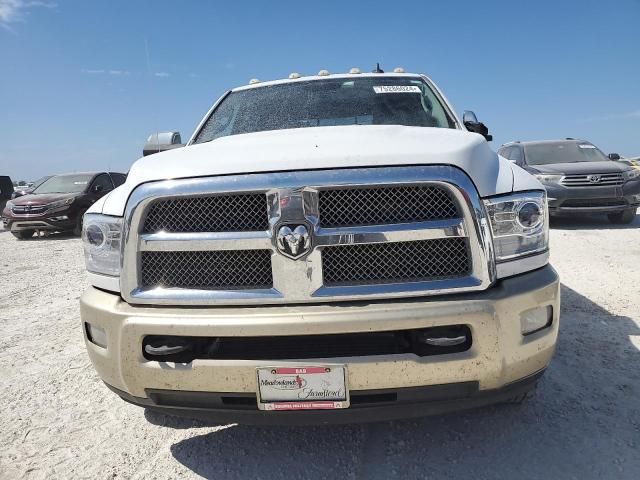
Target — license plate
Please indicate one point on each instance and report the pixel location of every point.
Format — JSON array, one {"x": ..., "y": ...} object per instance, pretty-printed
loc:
[{"x": 302, "y": 388}]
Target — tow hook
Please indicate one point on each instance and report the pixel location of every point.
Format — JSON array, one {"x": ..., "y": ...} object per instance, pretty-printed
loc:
[
  {"x": 445, "y": 341},
  {"x": 164, "y": 350}
]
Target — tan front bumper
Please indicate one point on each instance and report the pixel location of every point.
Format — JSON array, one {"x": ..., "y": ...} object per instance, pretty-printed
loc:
[{"x": 499, "y": 354}]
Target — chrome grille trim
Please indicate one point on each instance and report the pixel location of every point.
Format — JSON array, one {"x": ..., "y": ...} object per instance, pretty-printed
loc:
[
  {"x": 606, "y": 180},
  {"x": 205, "y": 241},
  {"x": 29, "y": 209},
  {"x": 292, "y": 197}
]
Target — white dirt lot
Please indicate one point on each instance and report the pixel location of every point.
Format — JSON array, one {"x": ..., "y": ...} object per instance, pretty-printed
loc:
[{"x": 57, "y": 420}]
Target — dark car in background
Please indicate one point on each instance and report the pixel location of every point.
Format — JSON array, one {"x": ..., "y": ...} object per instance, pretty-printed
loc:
[
  {"x": 6, "y": 190},
  {"x": 59, "y": 203},
  {"x": 28, "y": 189},
  {"x": 579, "y": 178}
]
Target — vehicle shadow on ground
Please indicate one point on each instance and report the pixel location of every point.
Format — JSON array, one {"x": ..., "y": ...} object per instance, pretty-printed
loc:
[
  {"x": 590, "y": 222},
  {"x": 50, "y": 236},
  {"x": 582, "y": 422}
]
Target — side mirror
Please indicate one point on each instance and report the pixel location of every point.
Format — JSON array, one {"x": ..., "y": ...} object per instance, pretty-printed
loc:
[
  {"x": 469, "y": 117},
  {"x": 614, "y": 156},
  {"x": 473, "y": 125},
  {"x": 97, "y": 188},
  {"x": 161, "y": 142}
]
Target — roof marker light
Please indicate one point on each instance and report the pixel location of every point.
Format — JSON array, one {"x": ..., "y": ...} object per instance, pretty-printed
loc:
[
  {"x": 294, "y": 75},
  {"x": 323, "y": 73},
  {"x": 253, "y": 81},
  {"x": 398, "y": 70},
  {"x": 355, "y": 70}
]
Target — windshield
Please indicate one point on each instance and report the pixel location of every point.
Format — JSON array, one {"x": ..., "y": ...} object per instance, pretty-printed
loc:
[
  {"x": 346, "y": 101},
  {"x": 64, "y": 184},
  {"x": 562, "y": 152},
  {"x": 40, "y": 181}
]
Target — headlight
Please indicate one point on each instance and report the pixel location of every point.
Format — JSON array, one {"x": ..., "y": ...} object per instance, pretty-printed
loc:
[
  {"x": 519, "y": 224},
  {"x": 631, "y": 174},
  {"x": 548, "y": 178},
  {"x": 61, "y": 203},
  {"x": 101, "y": 236},
  {"x": 9, "y": 204}
]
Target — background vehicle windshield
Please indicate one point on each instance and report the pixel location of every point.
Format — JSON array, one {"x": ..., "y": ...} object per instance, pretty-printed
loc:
[
  {"x": 40, "y": 181},
  {"x": 318, "y": 103},
  {"x": 562, "y": 152},
  {"x": 64, "y": 184}
]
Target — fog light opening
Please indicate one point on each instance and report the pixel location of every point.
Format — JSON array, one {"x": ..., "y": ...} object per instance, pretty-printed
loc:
[
  {"x": 96, "y": 335},
  {"x": 536, "y": 319}
]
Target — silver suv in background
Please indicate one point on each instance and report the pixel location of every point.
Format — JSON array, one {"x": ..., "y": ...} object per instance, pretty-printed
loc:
[{"x": 579, "y": 178}]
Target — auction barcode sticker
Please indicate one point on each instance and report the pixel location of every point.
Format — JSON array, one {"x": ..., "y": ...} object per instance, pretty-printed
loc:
[{"x": 396, "y": 89}]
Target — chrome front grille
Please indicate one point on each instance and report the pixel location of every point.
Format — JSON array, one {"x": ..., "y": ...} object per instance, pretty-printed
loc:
[
  {"x": 347, "y": 207},
  {"x": 223, "y": 269},
  {"x": 29, "y": 209},
  {"x": 368, "y": 233},
  {"x": 397, "y": 262},
  {"x": 593, "y": 180},
  {"x": 211, "y": 213}
]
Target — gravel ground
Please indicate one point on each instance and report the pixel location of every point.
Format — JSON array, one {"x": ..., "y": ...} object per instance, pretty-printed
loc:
[{"x": 58, "y": 420}]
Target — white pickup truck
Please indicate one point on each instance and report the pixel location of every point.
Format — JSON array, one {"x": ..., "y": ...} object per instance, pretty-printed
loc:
[{"x": 331, "y": 248}]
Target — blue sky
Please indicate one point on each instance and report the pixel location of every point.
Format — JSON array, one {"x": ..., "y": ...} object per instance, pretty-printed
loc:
[{"x": 82, "y": 83}]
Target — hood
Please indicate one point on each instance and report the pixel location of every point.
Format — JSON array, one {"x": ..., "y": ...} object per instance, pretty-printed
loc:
[
  {"x": 607, "y": 166},
  {"x": 323, "y": 148},
  {"x": 43, "y": 199}
]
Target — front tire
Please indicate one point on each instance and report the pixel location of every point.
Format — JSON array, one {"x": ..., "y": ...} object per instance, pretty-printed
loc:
[
  {"x": 624, "y": 218},
  {"x": 23, "y": 234},
  {"x": 77, "y": 230}
]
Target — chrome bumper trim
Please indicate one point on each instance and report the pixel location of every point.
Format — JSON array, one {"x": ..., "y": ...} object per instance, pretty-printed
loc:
[{"x": 522, "y": 265}]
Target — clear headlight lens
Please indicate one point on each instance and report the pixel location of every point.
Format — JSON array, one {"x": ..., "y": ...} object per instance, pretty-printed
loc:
[
  {"x": 9, "y": 204},
  {"x": 631, "y": 174},
  {"x": 519, "y": 224},
  {"x": 101, "y": 237},
  {"x": 61, "y": 203},
  {"x": 548, "y": 178}
]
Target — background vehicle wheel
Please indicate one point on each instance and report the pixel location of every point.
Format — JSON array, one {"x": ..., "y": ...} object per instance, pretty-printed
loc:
[
  {"x": 77, "y": 230},
  {"x": 624, "y": 217},
  {"x": 23, "y": 234}
]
